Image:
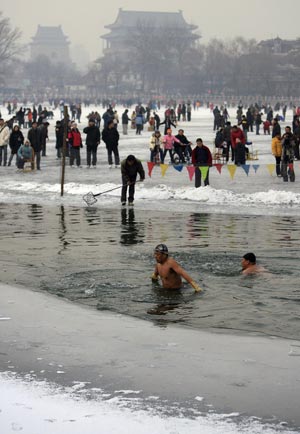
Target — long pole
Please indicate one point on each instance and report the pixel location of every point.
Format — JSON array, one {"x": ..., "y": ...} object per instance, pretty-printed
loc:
[{"x": 64, "y": 149}]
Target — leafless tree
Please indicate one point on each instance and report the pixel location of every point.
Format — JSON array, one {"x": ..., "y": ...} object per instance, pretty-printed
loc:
[{"x": 9, "y": 44}]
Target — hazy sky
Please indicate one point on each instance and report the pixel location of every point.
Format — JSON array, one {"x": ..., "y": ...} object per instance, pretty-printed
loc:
[{"x": 83, "y": 21}]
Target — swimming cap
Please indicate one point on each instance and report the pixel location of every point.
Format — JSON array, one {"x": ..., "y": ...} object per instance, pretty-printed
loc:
[{"x": 162, "y": 248}]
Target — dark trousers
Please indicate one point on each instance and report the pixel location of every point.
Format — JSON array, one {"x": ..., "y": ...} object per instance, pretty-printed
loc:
[
  {"x": 3, "y": 154},
  {"x": 21, "y": 163},
  {"x": 113, "y": 149},
  {"x": 37, "y": 156},
  {"x": 287, "y": 171},
  {"x": 131, "y": 189},
  {"x": 198, "y": 176},
  {"x": 153, "y": 154},
  {"x": 278, "y": 169},
  {"x": 44, "y": 149},
  {"x": 91, "y": 155},
  {"x": 170, "y": 153},
  {"x": 75, "y": 155},
  {"x": 11, "y": 158}
]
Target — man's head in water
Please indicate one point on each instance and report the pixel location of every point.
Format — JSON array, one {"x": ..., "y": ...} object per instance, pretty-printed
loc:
[
  {"x": 161, "y": 253},
  {"x": 248, "y": 260}
]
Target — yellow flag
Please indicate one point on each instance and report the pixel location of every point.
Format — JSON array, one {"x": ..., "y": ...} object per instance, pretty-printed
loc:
[
  {"x": 203, "y": 170},
  {"x": 271, "y": 168},
  {"x": 231, "y": 169},
  {"x": 164, "y": 168}
]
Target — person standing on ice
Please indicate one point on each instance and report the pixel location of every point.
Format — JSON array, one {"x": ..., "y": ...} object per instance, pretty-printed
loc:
[
  {"x": 125, "y": 121},
  {"x": 34, "y": 137},
  {"x": 110, "y": 137},
  {"x": 4, "y": 140},
  {"x": 201, "y": 156},
  {"x": 288, "y": 155},
  {"x": 75, "y": 143},
  {"x": 130, "y": 168},
  {"x": 169, "y": 141},
  {"x": 92, "y": 141},
  {"x": 15, "y": 141}
]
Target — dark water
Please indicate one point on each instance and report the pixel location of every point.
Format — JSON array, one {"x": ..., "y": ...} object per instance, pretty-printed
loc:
[{"x": 103, "y": 258}]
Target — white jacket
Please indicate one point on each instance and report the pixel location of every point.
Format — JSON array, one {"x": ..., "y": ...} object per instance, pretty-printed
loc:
[{"x": 4, "y": 135}]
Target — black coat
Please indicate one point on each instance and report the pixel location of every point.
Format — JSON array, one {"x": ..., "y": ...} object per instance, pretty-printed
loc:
[
  {"x": 16, "y": 139},
  {"x": 92, "y": 136},
  {"x": 110, "y": 136},
  {"x": 34, "y": 138}
]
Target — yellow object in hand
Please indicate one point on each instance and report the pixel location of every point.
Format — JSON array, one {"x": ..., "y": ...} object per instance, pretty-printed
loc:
[
  {"x": 196, "y": 286},
  {"x": 154, "y": 277}
]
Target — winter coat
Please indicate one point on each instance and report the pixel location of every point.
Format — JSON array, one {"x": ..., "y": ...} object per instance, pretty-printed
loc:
[
  {"x": 169, "y": 141},
  {"x": 74, "y": 138},
  {"x": 4, "y": 135},
  {"x": 92, "y": 136},
  {"x": 139, "y": 120},
  {"x": 288, "y": 148},
  {"x": 129, "y": 172},
  {"x": 276, "y": 147},
  {"x": 110, "y": 137},
  {"x": 34, "y": 138},
  {"x": 26, "y": 152},
  {"x": 16, "y": 140},
  {"x": 43, "y": 130},
  {"x": 201, "y": 156},
  {"x": 155, "y": 141},
  {"x": 125, "y": 118},
  {"x": 238, "y": 134},
  {"x": 276, "y": 129}
]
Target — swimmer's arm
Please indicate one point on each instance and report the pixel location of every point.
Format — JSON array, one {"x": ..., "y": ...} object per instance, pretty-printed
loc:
[
  {"x": 155, "y": 275},
  {"x": 179, "y": 270}
]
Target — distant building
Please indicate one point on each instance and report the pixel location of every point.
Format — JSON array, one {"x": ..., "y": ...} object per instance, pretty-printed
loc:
[
  {"x": 50, "y": 41},
  {"x": 130, "y": 31},
  {"x": 128, "y": 21},
  {"x": 280, "y": 46}
]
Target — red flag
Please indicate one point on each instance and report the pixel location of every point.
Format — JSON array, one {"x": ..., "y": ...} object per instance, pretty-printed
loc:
[
  {"x": 150, "y": 167},
  {"x": 218, "y": 166},
  {"x": 191, "y": 170}
]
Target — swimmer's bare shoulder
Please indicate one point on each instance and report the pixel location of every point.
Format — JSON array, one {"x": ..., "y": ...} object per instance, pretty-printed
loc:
[{"x": 255, "y": 269}]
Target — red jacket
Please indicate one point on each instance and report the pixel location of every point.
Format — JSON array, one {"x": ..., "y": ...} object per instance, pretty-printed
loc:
[
  {"x": 237, "y": 135},
  {"x": 74, "y": 138}
]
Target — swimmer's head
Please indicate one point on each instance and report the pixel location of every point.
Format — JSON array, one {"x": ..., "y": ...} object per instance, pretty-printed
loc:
[
  {"x": 250, "y": 257},
  {"x": 161, "y": 248}
]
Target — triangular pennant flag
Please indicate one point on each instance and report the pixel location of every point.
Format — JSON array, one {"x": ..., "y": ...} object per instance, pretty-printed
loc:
[
  {"x": 163, "y": 168},
  {"x": 255, "y": 167},
  {"x": 191, "y": 170},
  {"x": 271, "y": 168},
  {"x": 231, "y": 169},
  {"x": 218, "y": 166},
  {"x": 178, "y": 167},
  {"x": 246, "y": 168},
  {"x": 203, "y": 170},
  {"x": 150, "y": 167}
]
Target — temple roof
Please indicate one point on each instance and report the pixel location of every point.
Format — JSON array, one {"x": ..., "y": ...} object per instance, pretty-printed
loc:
[
  {"x": 50, "y": 35},
  {"x": 130, "y": 19}
]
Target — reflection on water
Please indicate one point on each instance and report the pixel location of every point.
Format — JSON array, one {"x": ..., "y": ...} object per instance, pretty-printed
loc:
[{"x": 104, "y": 258}]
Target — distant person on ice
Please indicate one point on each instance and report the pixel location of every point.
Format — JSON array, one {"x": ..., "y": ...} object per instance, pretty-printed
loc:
[
  {"x": 249, "y": 265},
  {"x": 170, "y": 272}
]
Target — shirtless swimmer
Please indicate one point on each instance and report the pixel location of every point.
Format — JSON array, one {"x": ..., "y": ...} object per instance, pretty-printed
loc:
[
  {"x": 170, "y": 271},
  {"x": 249, "y": 265}
]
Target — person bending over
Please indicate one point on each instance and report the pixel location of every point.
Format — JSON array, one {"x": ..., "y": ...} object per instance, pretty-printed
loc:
[{"x": 170, "y": 272}]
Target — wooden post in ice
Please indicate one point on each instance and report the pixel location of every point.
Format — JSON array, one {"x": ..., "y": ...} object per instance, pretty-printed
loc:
[{"x": 64, "y": 149}]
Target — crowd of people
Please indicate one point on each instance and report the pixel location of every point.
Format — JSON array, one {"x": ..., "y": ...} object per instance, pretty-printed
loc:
[{"x": 231, "y": 140}]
